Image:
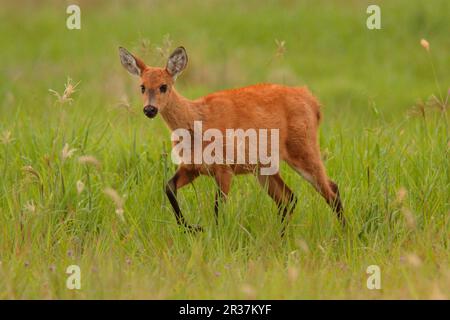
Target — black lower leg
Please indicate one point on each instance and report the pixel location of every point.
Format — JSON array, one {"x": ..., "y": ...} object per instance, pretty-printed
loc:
[
  {"x": 336, "y": 204},
  {"x": 284, "y": 209},
  {"x": 171, "y": 192},
  {"x": 216, "y": 205}
]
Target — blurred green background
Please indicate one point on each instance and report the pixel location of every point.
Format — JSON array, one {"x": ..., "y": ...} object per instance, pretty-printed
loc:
[{"x": 230, "y": 44}]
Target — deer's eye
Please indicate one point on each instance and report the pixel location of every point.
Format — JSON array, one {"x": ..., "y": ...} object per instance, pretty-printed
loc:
[
  {"x": 163, "y": 88},
  {"x": 142, "y": 88}
]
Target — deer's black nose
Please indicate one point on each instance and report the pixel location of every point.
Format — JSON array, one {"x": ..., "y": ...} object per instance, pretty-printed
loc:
[{"x": 150, "y": 111}]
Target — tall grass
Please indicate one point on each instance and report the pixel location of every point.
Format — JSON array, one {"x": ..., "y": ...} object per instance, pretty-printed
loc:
[{"x": 82, "y": 179}]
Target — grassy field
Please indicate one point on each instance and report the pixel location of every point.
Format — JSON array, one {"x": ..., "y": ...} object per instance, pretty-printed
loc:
[{"x": 384, "y": 139}]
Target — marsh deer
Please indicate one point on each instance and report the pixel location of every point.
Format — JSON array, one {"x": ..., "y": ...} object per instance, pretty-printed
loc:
[{"x": 293, "y": 111}]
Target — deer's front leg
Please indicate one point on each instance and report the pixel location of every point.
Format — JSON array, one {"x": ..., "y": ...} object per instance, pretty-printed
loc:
[
  {"x": 181, "y": 178},
  {"x": 223, "y": 180}
]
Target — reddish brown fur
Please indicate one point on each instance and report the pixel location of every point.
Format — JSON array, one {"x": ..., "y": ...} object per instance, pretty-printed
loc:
[{"x": 292, "y": 110}]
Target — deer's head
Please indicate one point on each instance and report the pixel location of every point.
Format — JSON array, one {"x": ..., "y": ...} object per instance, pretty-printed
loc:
[{"x": 155, "y": 83}]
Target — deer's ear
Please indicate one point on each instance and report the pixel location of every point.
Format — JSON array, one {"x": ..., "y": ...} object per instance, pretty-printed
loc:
[
  {"x": 177, "y": 62},
  {"x": 133, "y": 64}
]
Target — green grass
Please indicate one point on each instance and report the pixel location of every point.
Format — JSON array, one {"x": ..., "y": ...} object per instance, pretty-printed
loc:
[{"x": 392, "y": 165}]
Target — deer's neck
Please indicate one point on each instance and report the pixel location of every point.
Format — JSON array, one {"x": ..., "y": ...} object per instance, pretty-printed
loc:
[{"x": 180, "y": 112}]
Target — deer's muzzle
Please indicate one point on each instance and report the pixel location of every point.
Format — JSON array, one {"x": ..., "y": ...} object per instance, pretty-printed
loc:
[{"x": 150, "y": 111}]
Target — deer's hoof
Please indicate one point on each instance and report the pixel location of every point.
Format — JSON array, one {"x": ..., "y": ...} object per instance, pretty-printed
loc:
[{"x": 194, "y": 228}]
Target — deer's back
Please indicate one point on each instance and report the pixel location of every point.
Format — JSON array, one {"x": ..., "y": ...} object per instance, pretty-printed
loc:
[{"x": 261, "y": 106}]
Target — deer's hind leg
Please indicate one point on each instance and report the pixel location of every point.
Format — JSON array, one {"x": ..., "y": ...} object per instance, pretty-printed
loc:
[
  {"x": 223, "y": 181},
  {"x": 281, "y": 194},
  {"x": 309, "y": 164}
]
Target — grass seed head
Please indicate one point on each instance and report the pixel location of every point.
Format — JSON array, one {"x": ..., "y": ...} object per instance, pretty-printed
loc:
[
  {"x": 80, "y": 186},
  {"x": 409, "y": 218},
  {"x": 30, "y": 170},
  {"x": 66, "y": 152},
  {"x": 414, "y": 260},
  {"x": 425, "y": 44},
  {"x": 6, "y": 138},
  {"x": 165, "y": 49},
  {"x": 69, "y": 90},
  {"x": 281, "y": 48},
  {"x": 118, "y": 201},
  {"x": 119, "y": 212},
  {"x": 401, "y": 195},
  {"x": 292, "y": 274},
  {"x": 125, "y": 104},
  {"x": 303, "y": 246},
  {"x": 89, "y": 160},
  {"x": 30, "y": 207}
]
